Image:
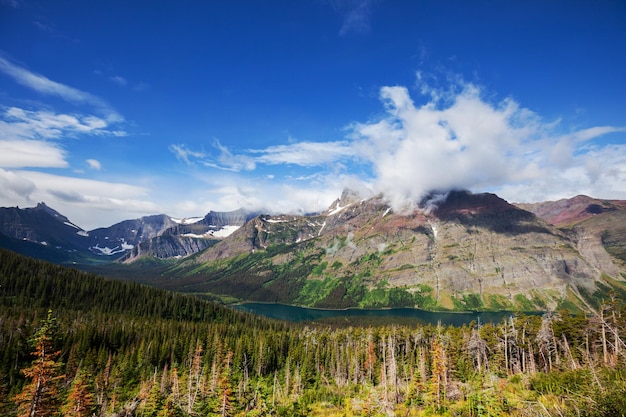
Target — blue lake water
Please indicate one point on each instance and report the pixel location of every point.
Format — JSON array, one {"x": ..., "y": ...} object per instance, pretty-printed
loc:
[{"x": 300, "y": 314}]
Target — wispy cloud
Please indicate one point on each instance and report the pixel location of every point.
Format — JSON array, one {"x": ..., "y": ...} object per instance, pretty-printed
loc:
[
  {"x": 45, "y": 124},
  {"x": 94, "y": 164},
  {"x": 184, "y": 154},
  {"x": 121, "y": 81},
  {"x": 25, "y": 136},
  {"x": 46, "y": 86},
  {"x": 356, "y": 15},
  {"x": 12, "y": 3},
  {"x": 304, "y": 154},
  {"x": 31, "y": 153}
]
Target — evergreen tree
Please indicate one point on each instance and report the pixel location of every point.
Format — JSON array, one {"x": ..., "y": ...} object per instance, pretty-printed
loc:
[
  {"x": 40, "y": 396},
  {"x": 80, "y": 400}
]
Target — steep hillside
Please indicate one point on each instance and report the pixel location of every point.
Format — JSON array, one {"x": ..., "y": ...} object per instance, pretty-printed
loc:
[
  {"x": 594, "y": 224},
  {"x": 466, "y": 251},
  {"x": 570, "y": 211}
]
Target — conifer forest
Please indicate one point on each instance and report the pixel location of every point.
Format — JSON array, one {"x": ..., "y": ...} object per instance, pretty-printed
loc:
[{"x": 75, "y": 344}]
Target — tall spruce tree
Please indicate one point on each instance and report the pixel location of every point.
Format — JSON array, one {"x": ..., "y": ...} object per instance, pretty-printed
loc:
[{"x": 40, "y": 395}]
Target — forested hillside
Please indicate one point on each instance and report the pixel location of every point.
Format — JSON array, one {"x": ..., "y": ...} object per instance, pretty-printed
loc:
[{"x": 74, "y": 344}]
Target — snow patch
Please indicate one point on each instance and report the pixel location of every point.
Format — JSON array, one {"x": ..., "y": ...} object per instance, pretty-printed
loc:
[
  {"x": 386, "y": 211},
  {"x": 433, "y": 226},
  {"x": 82, "y": 233},
  {"x": 338, "y": 209},
  {"x": 322, "y": 228},
  {"x": 113, "y": 251},
  {"x": 276, "y": 221},
  {"x": 187, "y": 220},
  {"x": 71, "y": 225},
  {"x": 221, "y": 233},
  {"x": 225, "y": 231}
]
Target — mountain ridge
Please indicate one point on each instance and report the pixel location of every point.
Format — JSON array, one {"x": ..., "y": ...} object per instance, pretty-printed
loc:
[{"x": 455, "y": 250}]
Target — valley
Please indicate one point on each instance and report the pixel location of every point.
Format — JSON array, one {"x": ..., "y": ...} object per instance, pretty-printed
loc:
[{"x": 456, "y": 251}]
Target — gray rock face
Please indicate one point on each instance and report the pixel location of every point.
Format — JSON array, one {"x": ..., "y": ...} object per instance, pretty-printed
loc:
[
  {"x": 187, "y": 238},
  {"x": 122, "y": 237}
]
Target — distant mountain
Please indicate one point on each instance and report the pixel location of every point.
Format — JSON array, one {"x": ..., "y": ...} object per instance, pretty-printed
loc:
[
  {"x": 41, "y": 231},
  {"x": 598, "y": 226},
  {"x": 44, "y": 233},
  {"x": 189, "y": 236},
  {"x": 570, "y": 211}
]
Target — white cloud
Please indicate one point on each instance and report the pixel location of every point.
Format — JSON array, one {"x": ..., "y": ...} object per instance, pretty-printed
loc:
[
  {"x": 94, "y": 164},
  {"x": 14, "y": 188},
  {"x": 305, "y": 154},
  {"x": 44, "y": 124},
  {"x": 182, "y": 153},
  {"x": 31, "y": 153},
  {"x": 459, "y": 140},
  {"x": 46, "y": 86},
  {"x": 25, "y": 136},
  {"x": 88, "y": 203},
  {"x": 455, "y": 138}
]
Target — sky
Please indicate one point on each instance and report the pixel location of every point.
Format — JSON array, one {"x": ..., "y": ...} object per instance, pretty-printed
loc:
[{"x": 112, "y": 110}]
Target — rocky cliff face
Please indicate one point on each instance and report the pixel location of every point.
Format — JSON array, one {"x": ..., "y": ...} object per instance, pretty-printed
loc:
[
  {"x": 185, "y": 237},
  {"x": 168, "y": 245}
]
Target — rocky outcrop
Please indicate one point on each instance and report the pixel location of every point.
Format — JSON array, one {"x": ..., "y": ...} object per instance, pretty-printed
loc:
[{"x": 167, "y": 246}]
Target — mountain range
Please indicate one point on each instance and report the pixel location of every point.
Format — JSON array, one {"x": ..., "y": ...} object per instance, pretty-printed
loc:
[{"x": 455, "y": 251}]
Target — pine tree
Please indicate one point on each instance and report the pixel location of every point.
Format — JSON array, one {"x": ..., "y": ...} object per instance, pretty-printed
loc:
[
  {"x": 80, "y": 400},
  {"x": 39, "y": 397}
]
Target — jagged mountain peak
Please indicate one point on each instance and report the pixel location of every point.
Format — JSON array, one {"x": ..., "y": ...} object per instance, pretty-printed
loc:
[{"x": 44, "y": 208}]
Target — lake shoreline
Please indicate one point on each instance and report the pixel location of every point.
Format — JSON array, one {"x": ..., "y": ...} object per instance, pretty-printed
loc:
[{"x": 297, "y": 314}]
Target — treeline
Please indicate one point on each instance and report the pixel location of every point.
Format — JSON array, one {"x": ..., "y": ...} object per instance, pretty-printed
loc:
[{"x": 73, "y": 344}]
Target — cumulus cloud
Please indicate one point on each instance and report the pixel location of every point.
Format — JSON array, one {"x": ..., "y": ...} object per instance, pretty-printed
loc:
[{"x": 455, "y": 138}]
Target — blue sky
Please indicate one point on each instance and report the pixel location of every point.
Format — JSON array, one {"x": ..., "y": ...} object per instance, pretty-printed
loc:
[{"x": 112, "y": 110}]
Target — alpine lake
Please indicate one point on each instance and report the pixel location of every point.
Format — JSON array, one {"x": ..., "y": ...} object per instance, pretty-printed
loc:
[{"x": 361, "y": 316}]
